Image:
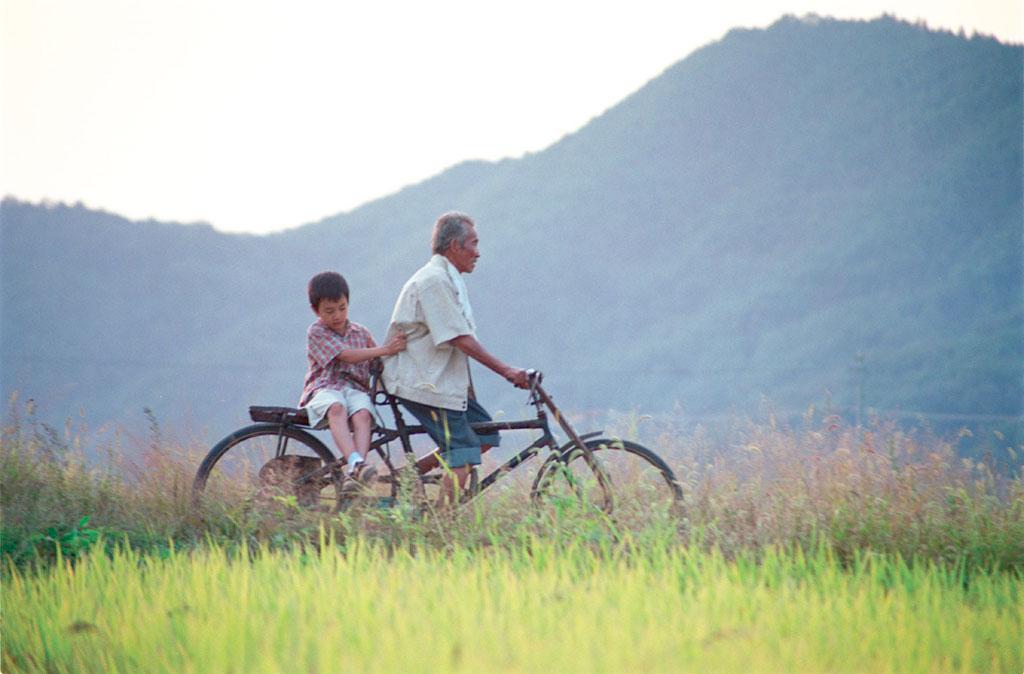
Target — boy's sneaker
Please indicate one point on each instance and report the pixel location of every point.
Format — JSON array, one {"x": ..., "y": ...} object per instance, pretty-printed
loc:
[{"x": 360, "y": 479}]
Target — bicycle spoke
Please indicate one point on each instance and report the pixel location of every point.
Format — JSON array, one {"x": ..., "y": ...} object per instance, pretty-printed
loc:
[
  {"x": 261, "y": 466},
  {"x": 643, "y": 488}
]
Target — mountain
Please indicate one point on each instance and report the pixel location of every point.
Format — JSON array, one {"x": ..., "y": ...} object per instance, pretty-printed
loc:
[{"x": 821, "y": 212}]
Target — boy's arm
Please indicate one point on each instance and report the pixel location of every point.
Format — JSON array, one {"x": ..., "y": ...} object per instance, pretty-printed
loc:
[{"x": 352, "y": 356}]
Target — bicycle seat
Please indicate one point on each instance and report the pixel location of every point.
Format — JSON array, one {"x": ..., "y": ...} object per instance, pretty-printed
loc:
[{"x": 279, "y": 415}]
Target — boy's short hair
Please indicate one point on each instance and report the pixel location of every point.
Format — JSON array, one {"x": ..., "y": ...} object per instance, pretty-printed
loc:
[{"x": 327, "y": 285}]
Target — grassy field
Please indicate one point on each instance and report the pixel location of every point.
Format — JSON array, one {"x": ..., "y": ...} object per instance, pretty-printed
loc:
[
  {"x": 545, "y": 607},
  {"x": 824, "y": 549}
]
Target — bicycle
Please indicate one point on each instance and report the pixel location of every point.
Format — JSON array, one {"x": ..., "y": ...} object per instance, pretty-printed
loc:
[{"x": 278, "y": 456}]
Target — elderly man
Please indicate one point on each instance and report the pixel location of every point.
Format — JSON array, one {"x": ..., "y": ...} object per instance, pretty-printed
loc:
[{"x": 431, "y": 377}]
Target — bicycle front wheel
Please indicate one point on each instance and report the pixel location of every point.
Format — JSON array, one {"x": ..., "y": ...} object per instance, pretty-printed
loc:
[
  {"x": 638, "y": 487},
  {"x": 262, "y": 464}
]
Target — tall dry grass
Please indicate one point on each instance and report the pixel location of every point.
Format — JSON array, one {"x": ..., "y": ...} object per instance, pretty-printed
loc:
[
  {"x": 748, "y": 487},
  {"x": 51, "y": 494},
  {"x": 882, "y": 488}
]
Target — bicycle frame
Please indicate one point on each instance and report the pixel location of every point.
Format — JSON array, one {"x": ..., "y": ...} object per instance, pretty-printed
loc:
[{"x": 538, "y": 398}]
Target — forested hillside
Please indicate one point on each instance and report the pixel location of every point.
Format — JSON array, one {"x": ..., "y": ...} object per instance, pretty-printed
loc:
[{"x": 823, "y": 212}]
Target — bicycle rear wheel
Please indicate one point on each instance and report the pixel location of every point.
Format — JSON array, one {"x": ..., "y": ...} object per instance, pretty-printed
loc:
[
  {"x": 260, "y": 464},
  {"x": 639, "y": 487}
]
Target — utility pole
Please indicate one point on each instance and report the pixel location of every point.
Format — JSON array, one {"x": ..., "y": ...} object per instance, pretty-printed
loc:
[{"x": 859, "y": 370}]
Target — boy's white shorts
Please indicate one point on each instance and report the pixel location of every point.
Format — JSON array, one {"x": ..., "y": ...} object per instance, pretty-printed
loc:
[{"x": 349, "y": 398}]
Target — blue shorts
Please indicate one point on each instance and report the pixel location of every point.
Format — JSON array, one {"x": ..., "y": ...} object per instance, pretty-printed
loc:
[{"x": 451, "y": 430}]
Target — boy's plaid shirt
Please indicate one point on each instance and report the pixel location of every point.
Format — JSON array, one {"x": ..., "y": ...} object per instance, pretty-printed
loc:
[{"x": 326, "y": 371}]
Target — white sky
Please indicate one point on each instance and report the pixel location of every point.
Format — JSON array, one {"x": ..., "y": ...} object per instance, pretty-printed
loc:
[{"x": 257, "y": 115}]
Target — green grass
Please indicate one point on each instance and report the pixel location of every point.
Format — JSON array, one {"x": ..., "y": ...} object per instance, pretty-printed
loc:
[
  {"x": 823, "y": 549},
  {"x": 543, "y": 607}
]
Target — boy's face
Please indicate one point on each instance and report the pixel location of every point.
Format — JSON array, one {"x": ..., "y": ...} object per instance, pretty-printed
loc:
[{"x": 333, "y": 313}]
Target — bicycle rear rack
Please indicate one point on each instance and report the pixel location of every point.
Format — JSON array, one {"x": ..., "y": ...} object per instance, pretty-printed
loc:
[{"x": 279, "y": 415}]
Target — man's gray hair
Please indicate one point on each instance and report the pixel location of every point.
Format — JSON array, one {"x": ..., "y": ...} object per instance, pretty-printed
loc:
[{"x": 452, "y": 226}]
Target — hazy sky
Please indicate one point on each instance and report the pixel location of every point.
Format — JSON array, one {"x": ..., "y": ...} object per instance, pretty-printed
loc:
[{"x": 256, "y": 116}]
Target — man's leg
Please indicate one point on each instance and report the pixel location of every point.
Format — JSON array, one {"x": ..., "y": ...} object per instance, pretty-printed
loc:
[
  {"x": 448, "y": 494},
  {"x": 431, "y": 461},
  {"x": 474, "y": 413},
  {"x": 459, "y": 446}
]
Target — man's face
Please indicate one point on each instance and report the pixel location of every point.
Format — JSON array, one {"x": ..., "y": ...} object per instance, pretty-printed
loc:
[
  {"x": 334, "y": 313},
  {"x": 464, "y": 257}
]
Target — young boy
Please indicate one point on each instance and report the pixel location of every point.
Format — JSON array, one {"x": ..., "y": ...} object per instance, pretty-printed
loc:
[{"x": 337, "y": 389}]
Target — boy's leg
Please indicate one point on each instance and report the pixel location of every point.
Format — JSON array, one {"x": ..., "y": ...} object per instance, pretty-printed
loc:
[
  {"x": 362, "y": 473},
  {"x": 362, "y": 423},
  {"x": 337, "y": 419}
]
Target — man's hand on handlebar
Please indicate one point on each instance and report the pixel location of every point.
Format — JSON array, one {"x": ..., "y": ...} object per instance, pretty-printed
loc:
[{"x": 519, "y": 377}]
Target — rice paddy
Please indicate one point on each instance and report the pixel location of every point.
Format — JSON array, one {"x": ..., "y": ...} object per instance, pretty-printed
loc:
[{"x": 541, "y": 608}]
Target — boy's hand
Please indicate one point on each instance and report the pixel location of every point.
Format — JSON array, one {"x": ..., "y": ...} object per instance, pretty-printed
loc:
[{"x": 397, "y": 343}]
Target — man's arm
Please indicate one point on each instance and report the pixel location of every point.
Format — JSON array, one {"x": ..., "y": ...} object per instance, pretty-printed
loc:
[{"x": 472, "y": 347}]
